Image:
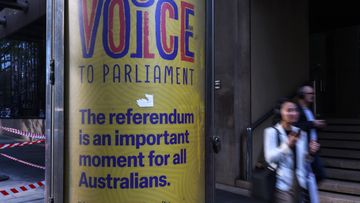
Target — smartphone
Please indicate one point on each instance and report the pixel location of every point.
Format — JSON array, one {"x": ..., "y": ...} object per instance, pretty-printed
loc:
[{"x": 297, "y": 133}]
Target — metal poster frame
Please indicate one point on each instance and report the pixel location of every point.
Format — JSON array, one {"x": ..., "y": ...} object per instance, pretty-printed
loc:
[
  {"x": 54, "y": 124},
  {"x": 56, "y": 105}
]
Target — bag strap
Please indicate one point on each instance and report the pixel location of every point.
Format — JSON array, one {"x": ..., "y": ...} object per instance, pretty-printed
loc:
[
  {"x": 261, "y": 159},
  {"x": 277, "y": 143},
  {"x": 277, "y": 136}
]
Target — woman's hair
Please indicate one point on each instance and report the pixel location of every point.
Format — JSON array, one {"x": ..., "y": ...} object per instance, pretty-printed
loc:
[{"x": 277, "y": 108}]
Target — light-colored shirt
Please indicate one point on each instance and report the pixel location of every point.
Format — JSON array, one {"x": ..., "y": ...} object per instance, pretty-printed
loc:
[{"x": 281, "y": 157}]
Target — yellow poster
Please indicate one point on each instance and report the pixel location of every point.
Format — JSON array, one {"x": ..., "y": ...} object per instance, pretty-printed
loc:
[{"x": 135, "y": 95}]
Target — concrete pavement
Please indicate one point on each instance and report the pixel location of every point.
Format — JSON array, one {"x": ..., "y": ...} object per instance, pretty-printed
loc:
[
  {"x": 222, "y": 196},
  {"x": 21, "y": 174}
]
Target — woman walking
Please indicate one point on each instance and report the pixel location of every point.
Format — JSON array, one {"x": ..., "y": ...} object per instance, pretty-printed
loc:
[{"x": 286, "y": 149}]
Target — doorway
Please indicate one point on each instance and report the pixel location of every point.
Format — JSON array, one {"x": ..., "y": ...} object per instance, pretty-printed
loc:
[{"x": 335, "y": 58}]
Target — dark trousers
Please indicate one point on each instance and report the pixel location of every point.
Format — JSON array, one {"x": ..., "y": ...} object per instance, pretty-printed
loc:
[{"x": 318, "y": 168}]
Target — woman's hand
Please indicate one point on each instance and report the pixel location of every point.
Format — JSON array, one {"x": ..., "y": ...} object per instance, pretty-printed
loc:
[
  {"x": 292, "y": 139},
  {"x": 319, "y": 123},
  {"x": 314, "y": 146}
]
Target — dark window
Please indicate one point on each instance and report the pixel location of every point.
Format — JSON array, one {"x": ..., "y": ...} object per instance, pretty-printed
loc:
[{"x": 22, "y": 79}]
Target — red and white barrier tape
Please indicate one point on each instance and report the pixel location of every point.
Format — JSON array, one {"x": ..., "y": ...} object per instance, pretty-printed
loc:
[
  {"x": 20, "y": 144},
  {"x": 23, "y": 133},
  {"x": 24, "y": 188},
  {"x": 23, "y": 162}
]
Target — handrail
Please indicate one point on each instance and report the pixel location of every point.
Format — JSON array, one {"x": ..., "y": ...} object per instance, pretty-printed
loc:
[
  {"x": 249, "y": 141},
  {"x": 262, "y": 119}
]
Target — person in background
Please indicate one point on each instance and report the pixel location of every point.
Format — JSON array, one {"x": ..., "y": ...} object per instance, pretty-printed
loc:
[
  {"x": 286, "y": 149},
  {"x": 309, "y": 124}
]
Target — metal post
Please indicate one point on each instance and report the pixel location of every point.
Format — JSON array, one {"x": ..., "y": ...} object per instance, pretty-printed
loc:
[
  {"x": 209, "y": 131},
  {"x": 249, "y": 161},
  {"x": 49, "y": 103},
  {"x": 55, "y": 101}
]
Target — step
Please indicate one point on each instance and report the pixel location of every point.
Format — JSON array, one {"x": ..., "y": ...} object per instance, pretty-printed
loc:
[
  {"x": 339, "y": 136},
  {"x": 342, "y": 128},
  {"x": 331, "y": 121},
  {"x": 340, "y": 187},
  {"x": 341, "y": 174},
  {"x": 243, "y": 184},
  {"x": 349, "y": 144},
  {"x": 339, "y": 153},
  {"x": 327, "y": 197},
  {"x": 341, "y": 163}
]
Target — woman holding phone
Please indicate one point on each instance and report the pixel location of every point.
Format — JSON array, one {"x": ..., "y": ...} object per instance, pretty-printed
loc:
[{"x": 286, "y": 149}]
